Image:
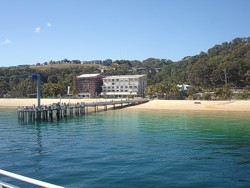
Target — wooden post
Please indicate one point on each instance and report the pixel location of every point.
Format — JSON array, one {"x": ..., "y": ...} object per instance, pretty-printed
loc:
[
  {"x": 50, "y": 113},
  {"x": 38, "y": 114},
  {"x": 64, "y": 111},
  {"x": 61, "y": 113},
  {"x": 46, "y": 114},
  {"x": 43, "y": 114},
  {"x": 58, "y": 112},
  {"x": 71, "y": 111},
  {"x": 33, "y": 115},
  {"x": 30, "y": 115},
  {"x": 81, "y": 109},
  {"x": 84, "y": 109}
]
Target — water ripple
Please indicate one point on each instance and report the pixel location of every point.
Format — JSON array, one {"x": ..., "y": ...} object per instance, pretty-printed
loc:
[{"x": 131, "y": 149}]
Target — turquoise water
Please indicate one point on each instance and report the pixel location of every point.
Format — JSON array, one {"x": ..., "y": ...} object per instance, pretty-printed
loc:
[{"x": 125, "y": 148}]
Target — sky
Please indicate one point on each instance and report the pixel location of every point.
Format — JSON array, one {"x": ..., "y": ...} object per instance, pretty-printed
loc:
[{"x": 37, "y": 31}]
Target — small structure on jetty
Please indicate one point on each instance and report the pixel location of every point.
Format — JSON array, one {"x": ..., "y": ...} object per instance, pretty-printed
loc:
[{"x": 60, "y": 111}]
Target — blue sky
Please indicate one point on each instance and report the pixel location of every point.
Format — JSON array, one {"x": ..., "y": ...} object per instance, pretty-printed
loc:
[{"x": 35, "y": 31}]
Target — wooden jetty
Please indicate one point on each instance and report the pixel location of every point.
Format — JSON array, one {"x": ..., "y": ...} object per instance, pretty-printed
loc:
[{"x": 58, "y": 111}]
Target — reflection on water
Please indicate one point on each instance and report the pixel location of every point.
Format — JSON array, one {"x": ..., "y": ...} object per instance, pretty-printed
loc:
[{"x": 125, "y": 148}]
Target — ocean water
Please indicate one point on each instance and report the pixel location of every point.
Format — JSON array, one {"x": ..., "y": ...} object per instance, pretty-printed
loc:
[{"x": 130, "y": 148}]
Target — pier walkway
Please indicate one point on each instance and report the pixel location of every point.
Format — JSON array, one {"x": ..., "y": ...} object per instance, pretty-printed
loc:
[{"x": 58, "y": 111}]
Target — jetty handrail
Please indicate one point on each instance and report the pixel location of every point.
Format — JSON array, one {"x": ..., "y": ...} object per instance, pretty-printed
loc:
[
  {"x": 28, "y": 180},
  {"x": 86, "y": 104}
]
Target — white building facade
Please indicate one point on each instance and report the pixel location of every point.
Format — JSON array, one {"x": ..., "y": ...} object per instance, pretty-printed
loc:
[
  {"x": 184, "y": 87},
  {"x": 124, "y": 86}
]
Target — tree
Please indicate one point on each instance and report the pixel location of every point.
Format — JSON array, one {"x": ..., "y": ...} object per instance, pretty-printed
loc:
[
  {"x": 164, "y": 90},
  {"x": 200, "y": 74},
  {"x": 52, "y": 79},
  {"x": 247, "y": 78},
  {"x": 25, "y": 88},
  {"x": 224, "y": 93},
  {"x": 1, "y": 88},
  {"x": 150, "y": 91}
]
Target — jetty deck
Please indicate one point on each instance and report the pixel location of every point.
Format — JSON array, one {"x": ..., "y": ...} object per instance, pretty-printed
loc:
[{"x": 58, "y": 111}]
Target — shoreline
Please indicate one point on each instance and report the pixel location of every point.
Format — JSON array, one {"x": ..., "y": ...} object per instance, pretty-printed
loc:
[
  {"x": 16, "y": 102},
  {"x": 186, "y": 105},
  {"x": 196, "y": 105}
]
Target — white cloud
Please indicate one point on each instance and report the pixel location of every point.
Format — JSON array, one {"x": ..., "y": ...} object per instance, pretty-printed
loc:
[
  {"x": 37, "y": 30},
  {"x": 6, "y": 41},
  {"x": 49, "y": 24}
]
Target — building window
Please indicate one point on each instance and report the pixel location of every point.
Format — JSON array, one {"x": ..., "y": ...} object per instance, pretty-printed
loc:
[
  {"x": 130, "y": 87},
  {"x": 126, "y": 86}
]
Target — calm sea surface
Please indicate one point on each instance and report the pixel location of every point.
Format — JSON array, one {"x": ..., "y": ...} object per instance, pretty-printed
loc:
[{"x": 125, "y": 148}]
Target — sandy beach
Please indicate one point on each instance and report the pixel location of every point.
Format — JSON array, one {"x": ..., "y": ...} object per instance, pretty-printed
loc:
[
  {"x": 14, "y": 102},
  {"x": 232, "y": 105}
]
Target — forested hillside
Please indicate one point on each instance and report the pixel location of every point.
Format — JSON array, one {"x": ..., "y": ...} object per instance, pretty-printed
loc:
[
  {"x": 17, "y": 82},
  {"x": 223, "y": 66}
]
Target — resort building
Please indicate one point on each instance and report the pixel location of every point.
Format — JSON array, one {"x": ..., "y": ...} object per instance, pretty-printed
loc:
[
  {"x": 184, "y": 87},
  {"x": 124, "y": 86},
  {"x": 88, "y": 85}
]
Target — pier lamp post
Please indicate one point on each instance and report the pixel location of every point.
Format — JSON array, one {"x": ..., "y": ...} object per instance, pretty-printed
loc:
[{"x": 38, "y": 79}]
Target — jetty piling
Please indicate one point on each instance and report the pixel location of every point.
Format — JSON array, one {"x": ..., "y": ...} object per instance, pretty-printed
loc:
[{"x": 58, "y": 111}]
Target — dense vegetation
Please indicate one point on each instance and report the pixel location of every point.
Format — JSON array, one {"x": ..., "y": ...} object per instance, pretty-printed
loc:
[{"x": 220, "y": 69}]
